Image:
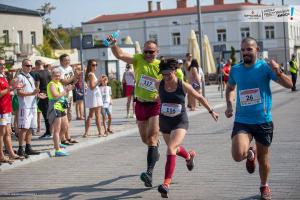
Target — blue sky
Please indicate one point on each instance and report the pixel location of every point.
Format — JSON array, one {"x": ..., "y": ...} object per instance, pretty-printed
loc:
[{"x": 72, "y": 12}]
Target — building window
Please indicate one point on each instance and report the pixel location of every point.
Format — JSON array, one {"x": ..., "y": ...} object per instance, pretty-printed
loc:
[
  {"x": 20, "y": 37},
  {"x": 33, "y": 38},
  {"x": 5, "y": 37},
  {"x": 153, "y": 37},
  {"x": 176, "y": 38},
  {"x": 269, "y": 32},
  {"x": 221, "y": 34},
  {"x": 245, "y": 32}
]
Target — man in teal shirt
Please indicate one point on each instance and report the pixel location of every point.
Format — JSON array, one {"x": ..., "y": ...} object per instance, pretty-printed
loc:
[{"x": 253, "y": 117}]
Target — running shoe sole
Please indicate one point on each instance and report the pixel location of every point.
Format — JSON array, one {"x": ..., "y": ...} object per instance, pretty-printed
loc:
[
  {"x": 163, "y": 191},
  {"x": 146, "y": 179}
]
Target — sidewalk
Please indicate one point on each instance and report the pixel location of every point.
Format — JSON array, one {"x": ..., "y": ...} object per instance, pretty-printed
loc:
[{"x": 120, "y": 125}]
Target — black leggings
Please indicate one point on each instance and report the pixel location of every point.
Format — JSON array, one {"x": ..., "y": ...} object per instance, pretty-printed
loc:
[{"x": 43, "y": 106}]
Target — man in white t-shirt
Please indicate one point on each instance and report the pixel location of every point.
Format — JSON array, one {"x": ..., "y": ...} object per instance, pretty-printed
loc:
[
  {"x": 67, "y": 77},
  {"x": 27, "y": 108}
]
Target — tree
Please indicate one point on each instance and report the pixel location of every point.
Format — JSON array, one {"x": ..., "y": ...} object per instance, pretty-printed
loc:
[{"x": 232, "y": 55}]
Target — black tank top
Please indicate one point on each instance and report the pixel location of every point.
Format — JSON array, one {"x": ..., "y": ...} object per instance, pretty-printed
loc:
[{"x": 172, "y": 99}]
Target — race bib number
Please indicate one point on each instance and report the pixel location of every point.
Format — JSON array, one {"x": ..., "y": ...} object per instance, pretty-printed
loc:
[
  {"x": 250, "y": 97},
  {"x": 148, "y": 83},
  {"x": 170, "y": 109}
]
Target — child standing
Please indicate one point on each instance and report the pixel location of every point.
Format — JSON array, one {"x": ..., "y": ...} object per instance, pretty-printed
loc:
[{"x": 107, "y": 105}]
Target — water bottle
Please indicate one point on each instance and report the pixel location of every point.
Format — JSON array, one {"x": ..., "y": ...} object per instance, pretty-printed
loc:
[{"x": 114, "y": 35}]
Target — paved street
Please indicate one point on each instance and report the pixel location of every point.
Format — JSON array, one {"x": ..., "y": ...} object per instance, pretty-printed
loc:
[{"x": 110, "y": 169}]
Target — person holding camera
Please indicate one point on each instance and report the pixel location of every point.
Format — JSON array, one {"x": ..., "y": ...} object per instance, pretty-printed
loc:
[
  {"x": 56, "y": 114},
  {"x": 68, "y": 77}
]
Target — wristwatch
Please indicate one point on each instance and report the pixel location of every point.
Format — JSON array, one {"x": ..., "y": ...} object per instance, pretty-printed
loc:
[{"x": 211, "y": 111}]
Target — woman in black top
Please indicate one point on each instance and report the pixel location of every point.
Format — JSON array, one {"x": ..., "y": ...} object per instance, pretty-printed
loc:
[{"x": 173, "y": 120}]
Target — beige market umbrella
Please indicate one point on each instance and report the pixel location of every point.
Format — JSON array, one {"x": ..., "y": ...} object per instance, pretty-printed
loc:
[
  {"x": 45, "y": 60},
  {"x": 193, "y": 46},
  {"x": 209, "y": 62},
  {"x": 128, "y": 40},
  {"x": 137, "y": 47}
]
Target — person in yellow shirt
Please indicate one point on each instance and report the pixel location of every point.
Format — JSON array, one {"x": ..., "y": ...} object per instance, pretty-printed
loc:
[
  {"x": 294, "y": 69},
  {"x": 147, "y": 107}
]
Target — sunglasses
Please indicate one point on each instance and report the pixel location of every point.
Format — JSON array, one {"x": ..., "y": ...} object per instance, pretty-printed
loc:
[
  {"x": 149, "y": 52},
  {"x": 28, "y": 65},
  {"x": 166, "y": 74},
  {"x": 94, "y": 65}
]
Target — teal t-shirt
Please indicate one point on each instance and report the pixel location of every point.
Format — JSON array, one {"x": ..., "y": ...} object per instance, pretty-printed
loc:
[{"x": 254, "y": 97}]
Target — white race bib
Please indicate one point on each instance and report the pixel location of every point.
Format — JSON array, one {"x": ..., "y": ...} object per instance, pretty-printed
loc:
[
  {"x": 250, "y": 97},
  {"x": 170, "y": 109},
  {"x": 148, "y": 83}
]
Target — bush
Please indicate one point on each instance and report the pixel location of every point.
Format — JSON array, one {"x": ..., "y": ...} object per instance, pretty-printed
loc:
[{"x": 116, "y": 88}]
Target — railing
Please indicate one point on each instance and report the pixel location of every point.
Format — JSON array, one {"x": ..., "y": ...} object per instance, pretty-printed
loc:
[{"x": 23, "y": 49}]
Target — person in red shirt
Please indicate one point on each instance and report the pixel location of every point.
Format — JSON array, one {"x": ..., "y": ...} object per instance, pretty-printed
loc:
[
  {"x": 226, "y": 71},
  {"x": 5, "y": 116}
]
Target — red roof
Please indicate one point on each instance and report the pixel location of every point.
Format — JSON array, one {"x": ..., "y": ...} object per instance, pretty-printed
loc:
[{"x": 169, "y": 12}]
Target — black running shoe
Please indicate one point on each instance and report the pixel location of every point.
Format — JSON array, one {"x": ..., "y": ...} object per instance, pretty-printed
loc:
[
  {"x": 30, "y": 151},
  {"x": 147, "y": 179},
  {"x": 190, "y": 163},
  {"x": 21, "y": 152},
  {"x": 163, "y": 190}
]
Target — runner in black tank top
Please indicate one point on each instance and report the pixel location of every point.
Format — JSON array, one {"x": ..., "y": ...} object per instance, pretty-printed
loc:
[
  {"x": 173, "y": 113},
  {"x": 173, "y": 120}
]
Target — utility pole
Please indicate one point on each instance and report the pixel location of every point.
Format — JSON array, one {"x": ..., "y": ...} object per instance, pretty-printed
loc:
[
  {"x": 200, "y": 45},
  {"x": 284, "y": 42}
]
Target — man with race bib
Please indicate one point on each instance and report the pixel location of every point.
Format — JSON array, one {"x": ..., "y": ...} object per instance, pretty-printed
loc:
[
  {"x": 147, "y": 108},
  {"x": 253, "y": 117}
]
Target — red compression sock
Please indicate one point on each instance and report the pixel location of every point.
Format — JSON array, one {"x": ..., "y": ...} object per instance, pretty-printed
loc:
[
  {"x": 183, "y": 153},
  {"x": 169, "y": 169}
]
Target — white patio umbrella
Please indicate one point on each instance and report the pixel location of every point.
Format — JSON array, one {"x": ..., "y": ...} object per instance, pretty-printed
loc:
[
  {"x": 209, "y": 62},
  {"x": 137, "y": 47},
  {"x": 193, "y": 46}
]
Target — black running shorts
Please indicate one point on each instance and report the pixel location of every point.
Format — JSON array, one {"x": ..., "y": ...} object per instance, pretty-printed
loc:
[{"x": 262, "y": 133}]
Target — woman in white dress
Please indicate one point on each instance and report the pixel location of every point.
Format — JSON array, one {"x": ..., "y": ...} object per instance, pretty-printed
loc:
[{"x": 93, "y": 97}]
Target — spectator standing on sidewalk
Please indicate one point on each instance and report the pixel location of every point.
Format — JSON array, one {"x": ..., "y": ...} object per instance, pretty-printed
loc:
[
  {"x": 27, "y": 116},
  {"x": 107, "y": 105},
  {"x": 68, "y": 77},
  {"x": 253, "y": 117},
  {"x": 226, "y": 71},
  {"x": 173, "y": 119},
  {"x": 43, "y": 77},
  {"x": 128, "y": 82},
  {"x": 195, "y": 81},
  {"x": 5, "y": 116},
  {"x": 56, "y": 113},
  {"x": 79, "y": 96},
  {"x": 147, "y": 106},
  {"x": 93, "y": 97},
  {"x": 293, "y": 70}
]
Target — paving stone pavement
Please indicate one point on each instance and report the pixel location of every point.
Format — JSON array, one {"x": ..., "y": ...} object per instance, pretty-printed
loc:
[{"x": 110, "y": 170}]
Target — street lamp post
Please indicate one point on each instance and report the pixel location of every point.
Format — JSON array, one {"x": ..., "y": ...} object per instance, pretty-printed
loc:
[
  {"x": 284, "y": 42},
  {"x": 200, "y": 45}
]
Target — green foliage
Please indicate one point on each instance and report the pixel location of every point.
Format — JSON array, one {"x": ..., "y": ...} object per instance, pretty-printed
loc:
[
  {"x": 116, "y": 88},
  {"x": 232, "y": 55}
]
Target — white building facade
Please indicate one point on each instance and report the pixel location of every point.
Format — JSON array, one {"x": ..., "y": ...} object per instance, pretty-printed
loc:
[
  {"x": 20, "y": 30},
  {"x": 220, "y": 22}
]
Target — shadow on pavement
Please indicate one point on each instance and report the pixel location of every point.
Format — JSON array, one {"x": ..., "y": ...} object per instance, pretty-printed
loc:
[
  {"x": 256, "y": 197},
  {"x": 68, "y": 193}
]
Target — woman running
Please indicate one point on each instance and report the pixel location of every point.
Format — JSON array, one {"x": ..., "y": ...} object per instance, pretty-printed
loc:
[{"x": 173, "y": 120}]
